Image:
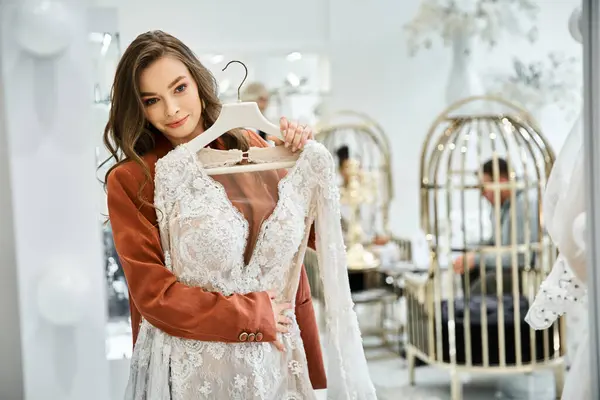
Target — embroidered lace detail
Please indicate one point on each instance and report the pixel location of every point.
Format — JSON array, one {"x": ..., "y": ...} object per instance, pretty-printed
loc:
[
  {"x": 557, "y": 294},
  {"x": 204, "y": 237}
]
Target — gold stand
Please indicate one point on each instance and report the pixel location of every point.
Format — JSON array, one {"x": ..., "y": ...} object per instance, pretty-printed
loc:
[{"x": 354, "y": 194}]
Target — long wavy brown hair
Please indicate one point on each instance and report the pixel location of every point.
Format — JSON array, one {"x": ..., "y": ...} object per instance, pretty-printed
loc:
[{"x": 128, "y": 135}]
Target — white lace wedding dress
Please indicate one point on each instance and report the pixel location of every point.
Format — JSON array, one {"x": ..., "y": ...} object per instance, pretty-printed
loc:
[
  {"x": 204, "y": 237},
  {"x": 565, "y": 290}
]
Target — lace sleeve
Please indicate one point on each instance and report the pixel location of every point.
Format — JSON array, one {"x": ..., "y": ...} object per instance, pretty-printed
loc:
[
  {"x": 347, "y": 371},
  {"x": 560, "y": 292}
]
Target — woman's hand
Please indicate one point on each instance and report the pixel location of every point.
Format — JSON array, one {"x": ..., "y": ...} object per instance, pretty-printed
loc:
[
  {"x": 281, "y": 321},
  {"x": 294, "y": 134}
]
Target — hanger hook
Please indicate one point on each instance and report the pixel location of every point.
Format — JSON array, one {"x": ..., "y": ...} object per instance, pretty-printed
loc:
[{"x": 243, "y": 80}]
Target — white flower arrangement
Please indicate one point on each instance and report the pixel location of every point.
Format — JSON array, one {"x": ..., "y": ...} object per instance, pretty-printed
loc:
[
  {"x": 555, "y": 80},
  {"x": 485, "y": 19}
]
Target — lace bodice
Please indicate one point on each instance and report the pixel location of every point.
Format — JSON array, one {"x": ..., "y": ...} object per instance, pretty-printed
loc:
[{"x": 204, "y": 237}]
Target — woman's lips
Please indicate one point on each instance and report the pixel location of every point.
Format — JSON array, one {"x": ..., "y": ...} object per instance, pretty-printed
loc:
[{"x": 178, "y": 123}]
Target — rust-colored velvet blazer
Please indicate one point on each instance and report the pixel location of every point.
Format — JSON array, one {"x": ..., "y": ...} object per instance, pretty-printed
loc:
[{"x": 181, "y": 310}]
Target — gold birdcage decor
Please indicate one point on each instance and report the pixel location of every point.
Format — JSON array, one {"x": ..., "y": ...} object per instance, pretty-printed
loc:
[
  {"x": 363, "y": 152},
  {"x": 482, "y": 176}
]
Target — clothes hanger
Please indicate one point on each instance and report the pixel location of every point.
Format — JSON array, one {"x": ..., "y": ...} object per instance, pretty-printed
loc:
[
  {"x": 240, "y": 115},
  {"x": 235, "y": 115}
]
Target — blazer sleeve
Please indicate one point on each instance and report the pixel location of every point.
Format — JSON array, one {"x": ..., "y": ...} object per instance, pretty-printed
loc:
[
  {"x": 171, "y": 306},
  {"x": 309, "y": 331}
]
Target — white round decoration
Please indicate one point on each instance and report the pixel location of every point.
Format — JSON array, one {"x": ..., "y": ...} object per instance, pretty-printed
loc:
[
  {"x": 575, "y": 25},
  {"x": 62, "y": 294},
  {"x": 44, "y": 28}
]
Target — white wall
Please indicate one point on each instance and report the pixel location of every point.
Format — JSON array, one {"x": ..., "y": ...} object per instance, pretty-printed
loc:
[
  {"x": 227, "y": 25},
  {"x": 54, "y": 209},
  {"x": 372, "y": 72}
]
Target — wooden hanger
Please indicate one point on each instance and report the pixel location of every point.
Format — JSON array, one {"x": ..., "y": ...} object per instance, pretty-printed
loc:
[{"x": 239, "y": 115}]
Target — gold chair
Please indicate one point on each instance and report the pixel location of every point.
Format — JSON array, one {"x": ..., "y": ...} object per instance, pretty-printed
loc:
[{"x": 482, "y": 330}]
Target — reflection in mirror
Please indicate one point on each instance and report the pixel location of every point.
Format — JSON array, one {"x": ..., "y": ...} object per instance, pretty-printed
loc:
[
  {"x": 105, "y": 51},
  {"x": 294, "y": 84}
]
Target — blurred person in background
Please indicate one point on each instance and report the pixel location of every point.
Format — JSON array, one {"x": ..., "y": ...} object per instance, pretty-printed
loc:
[{"x": 525, "y": 207}]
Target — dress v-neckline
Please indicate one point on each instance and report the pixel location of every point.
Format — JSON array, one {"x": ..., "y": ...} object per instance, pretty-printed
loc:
[{"x": 245, "y": 223}]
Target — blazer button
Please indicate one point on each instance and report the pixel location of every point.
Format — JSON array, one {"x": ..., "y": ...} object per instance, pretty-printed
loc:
[
  {"x": 243, "y": 337},
  {"x": 251, "y": 337},
  {"x": 259, "y": 337}
]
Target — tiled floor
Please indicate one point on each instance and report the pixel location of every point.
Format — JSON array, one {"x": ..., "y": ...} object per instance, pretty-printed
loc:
[
  {"x": 389, "y": 373},
  {"x": 391, "y": 379},
  {"x": 390, "y": 376}
]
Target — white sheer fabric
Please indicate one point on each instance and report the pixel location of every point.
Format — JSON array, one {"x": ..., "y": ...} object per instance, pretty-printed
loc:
[
  {"x": 204, "y": 237},
  {"x": 564, "y": 290},
  {"x": 564, "y": 216}
]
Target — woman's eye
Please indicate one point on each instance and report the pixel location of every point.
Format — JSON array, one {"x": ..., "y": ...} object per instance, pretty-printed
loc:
[
  {"x": 180, "y": 88},
  {"x": 149, "y": 102}
]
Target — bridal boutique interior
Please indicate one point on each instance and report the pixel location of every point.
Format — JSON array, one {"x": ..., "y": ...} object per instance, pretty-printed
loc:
[{"x": 411, "y": 98}]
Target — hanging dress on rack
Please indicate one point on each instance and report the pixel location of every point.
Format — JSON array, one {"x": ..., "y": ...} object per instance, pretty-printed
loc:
[{"x": 205, "y": 238}]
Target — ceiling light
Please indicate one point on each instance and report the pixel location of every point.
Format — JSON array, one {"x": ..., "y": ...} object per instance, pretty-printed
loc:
[
  {"x": 216, "y": 59},
  {"x": 105, "y": 43},
  {"x": 294, "y": 56},
  {"x": 96, "y": 37}
]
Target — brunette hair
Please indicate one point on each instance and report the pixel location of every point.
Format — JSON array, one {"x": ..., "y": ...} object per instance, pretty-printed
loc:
[{"x": 128, "y": 135}]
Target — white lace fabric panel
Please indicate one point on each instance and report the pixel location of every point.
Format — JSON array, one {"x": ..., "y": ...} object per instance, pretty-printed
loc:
[
  {"x": 558, "y": 293},
  {"x": 204, "y": 237}
]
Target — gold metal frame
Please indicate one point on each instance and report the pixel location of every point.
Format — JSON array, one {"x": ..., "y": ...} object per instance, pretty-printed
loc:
[
  {"x": 360, "y": 122},
  {"x": 426, "y": 341}
]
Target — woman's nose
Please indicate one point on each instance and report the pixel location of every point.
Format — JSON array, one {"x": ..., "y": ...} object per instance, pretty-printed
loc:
[{"x": 172, "y": 108}]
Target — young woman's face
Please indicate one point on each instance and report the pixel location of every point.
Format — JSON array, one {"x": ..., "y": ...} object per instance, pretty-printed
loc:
[{"x": 171, "y": 101}]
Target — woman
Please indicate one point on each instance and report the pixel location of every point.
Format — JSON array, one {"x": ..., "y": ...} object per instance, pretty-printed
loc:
[{"x": 162, "y": 97}]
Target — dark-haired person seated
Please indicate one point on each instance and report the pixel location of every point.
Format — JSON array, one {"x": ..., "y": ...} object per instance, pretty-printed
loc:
[{"x": 525, "y": 207}]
